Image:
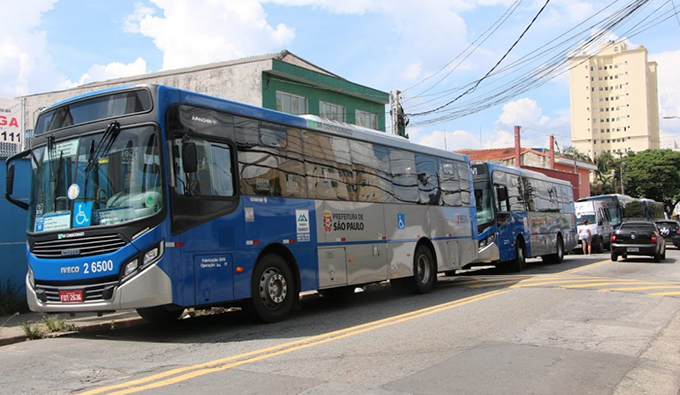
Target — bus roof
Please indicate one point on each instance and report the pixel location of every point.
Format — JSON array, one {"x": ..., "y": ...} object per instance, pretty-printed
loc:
[
  {"x": 305, "y": 121},
  {"x": 523, "y": 172}
]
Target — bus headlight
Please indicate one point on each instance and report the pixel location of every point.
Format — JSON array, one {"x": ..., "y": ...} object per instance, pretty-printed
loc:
[
  {"x": 149, "y": 257},
  {"x": 29, "y": 276},
  {"x": 487, "y": 241},
  {"x": 130, "y": 268}
]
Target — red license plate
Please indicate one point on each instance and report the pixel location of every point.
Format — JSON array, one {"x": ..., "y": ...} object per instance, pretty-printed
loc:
[{"x": 71, "y": 296}]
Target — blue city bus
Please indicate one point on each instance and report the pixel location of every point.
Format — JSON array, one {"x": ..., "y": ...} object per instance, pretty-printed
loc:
[
  {"x": 160, "y": 199},
  {"x": 624, "y": 207},
  {"x": 522, "y": 214}
]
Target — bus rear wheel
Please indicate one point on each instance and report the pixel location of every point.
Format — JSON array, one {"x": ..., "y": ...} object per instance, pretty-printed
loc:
[
  {"x": 424, "y": 269},
  {"x": 424, "y": 274},
  {"x": 272, "y": 289},
  {"x": 558, "y": 256},
  {"x": 517, "y": 264}
]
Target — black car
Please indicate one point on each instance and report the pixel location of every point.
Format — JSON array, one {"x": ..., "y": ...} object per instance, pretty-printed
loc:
[
  {"x": 670, "y": 231},
  {"x": 638, "y": 238}
]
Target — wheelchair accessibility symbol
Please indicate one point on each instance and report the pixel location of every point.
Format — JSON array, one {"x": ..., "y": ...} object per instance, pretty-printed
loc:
[
  {"x": 82, "y": 214},
  {"x": 401, "y": 221}
]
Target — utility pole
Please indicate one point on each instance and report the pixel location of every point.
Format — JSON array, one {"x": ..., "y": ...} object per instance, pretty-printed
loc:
[
  {"x": 399, "y": 120},
  {"x": 394, "y": 104},
  {"x": 621, "y": 165}
]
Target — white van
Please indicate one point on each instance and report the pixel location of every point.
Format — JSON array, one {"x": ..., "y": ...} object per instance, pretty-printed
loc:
[{"x": 599, "y": 222}]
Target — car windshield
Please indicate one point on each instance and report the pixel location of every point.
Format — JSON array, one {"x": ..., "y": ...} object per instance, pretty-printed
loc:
[{"x": 107, "y": 178}]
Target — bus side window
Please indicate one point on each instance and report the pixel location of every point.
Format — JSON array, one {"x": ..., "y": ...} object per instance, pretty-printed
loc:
[
  {"x": 502, "y": 197},
  {"x": 428, "y": 179}
]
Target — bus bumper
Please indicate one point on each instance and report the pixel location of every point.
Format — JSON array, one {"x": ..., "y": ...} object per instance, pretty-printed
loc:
[
  {"x": 152, "y": 287},
  {"x": 487, "y": 254}
]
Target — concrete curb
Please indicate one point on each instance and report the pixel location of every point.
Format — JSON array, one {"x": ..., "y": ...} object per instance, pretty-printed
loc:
[{"x": 83, "y": 328}]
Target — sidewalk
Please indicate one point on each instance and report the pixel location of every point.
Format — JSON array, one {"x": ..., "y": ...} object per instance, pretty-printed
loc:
[
  {"x": 12, "y": 330},
  {"x": 12, "y": 327}
]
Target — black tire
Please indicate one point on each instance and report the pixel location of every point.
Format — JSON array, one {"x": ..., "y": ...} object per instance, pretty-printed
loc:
[
  {"x": 614, "y": 257},
  {"x": 598, "y": 246},
  {"x": 558, "y": 256},
  {"x": 272, "y": 290},
  {"x": 160, "y": 314},
  {"x": 424, "y": 270},
  {"x": 657, "y": 257},
  {"x": 424, "y": 274},
  {"x": 517, "y": 264}
]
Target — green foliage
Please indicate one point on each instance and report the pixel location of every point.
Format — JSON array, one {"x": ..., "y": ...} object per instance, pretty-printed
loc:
[
  {"x": 32, "y": 330},
  {"x": 653, "y": 174},
  {"x": 605, "y": 175},
  {"x": 12, "y": 299},
  {"x": 573, "y": 153},
  {"x": 55, "y": 324}
]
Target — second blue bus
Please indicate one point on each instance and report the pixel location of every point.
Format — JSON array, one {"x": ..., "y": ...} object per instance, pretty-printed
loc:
[{"x": 522, "y": 214}]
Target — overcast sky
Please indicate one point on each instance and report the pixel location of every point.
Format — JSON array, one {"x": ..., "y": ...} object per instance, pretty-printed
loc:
[{"x": 422, "y": 48}]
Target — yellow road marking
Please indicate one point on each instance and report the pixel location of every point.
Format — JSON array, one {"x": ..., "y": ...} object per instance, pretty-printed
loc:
[
  {"x": 665, "y": 293},
  {"x": 592, "y": 265},
  {"x": 584, "y": 280},
  {"x": 601, "y": 284},
  {"x": 640, "y": 288},
  {"x": 189, "y": 372},
  {"x": 491, "y": 284}
]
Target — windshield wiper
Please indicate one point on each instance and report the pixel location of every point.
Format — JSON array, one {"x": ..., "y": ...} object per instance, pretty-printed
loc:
[
  {"x": 95, "y": 153},
  {"x": 104, "y": 145}
]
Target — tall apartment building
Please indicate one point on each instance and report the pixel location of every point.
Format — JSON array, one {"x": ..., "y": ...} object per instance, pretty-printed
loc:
[{"x": 614, "y": 101}]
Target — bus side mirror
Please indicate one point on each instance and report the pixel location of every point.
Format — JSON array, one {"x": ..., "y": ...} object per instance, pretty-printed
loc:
[
  {"x": 9, "y": 181},
  {"x": 189, "y": 157},
  {"x": 9, "y": 188}
]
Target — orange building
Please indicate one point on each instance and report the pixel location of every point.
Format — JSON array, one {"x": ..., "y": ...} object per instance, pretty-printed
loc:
[{"x": 574, "y": 171}]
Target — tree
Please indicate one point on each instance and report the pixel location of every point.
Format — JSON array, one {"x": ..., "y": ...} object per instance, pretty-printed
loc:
[
  {"x": 573, "y": 153},
  {"x": 604, "y": 175},
  {"x": 654, "y": 174}
]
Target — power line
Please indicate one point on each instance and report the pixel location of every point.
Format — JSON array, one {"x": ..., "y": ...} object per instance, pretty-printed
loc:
[
  {"x": 492, "y": 29},
  {"x": 549, "y": 69},
  {"x": 471, "y": 89}
]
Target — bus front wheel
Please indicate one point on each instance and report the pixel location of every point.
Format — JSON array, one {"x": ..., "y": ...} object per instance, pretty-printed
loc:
[{"x": 272, "y": 289}]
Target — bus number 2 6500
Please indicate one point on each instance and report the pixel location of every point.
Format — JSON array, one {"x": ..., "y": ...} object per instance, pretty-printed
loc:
[{"x": 98, "y": 267}]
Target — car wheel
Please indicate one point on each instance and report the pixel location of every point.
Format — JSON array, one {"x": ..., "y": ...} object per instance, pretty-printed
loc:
[
  {"x": 614, "y": 257},
  {"x": 657, "y": 257}
]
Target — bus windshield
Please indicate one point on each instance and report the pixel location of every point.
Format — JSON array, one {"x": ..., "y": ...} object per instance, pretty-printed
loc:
[
  {"x": 99, "y": 179},
  {"x": 586, "y": 216},
  {"x": 484, "y": 203}
]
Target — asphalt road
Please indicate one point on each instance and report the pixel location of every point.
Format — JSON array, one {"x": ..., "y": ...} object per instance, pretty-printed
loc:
[{"x": 586, "y": 326}]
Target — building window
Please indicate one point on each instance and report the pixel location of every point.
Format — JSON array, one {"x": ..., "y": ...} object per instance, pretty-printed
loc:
[
  {"x": 367, "y": 119},
  {"x": 291, "y": 104},
  {"x": 332, "y": 111}
]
